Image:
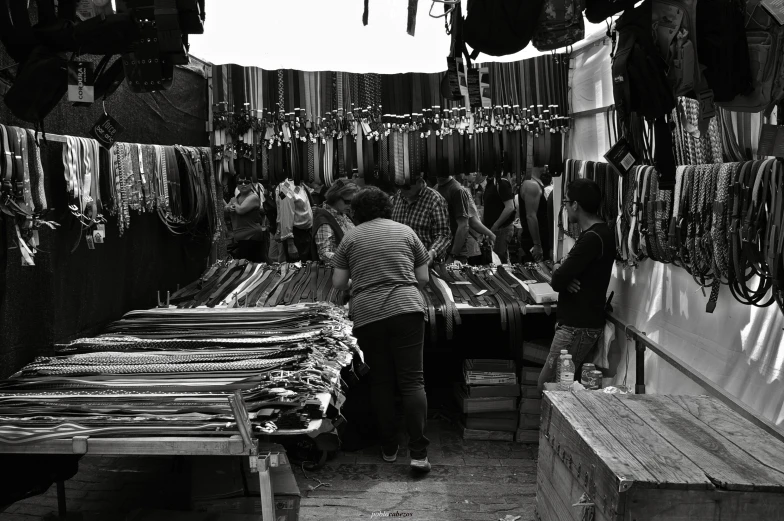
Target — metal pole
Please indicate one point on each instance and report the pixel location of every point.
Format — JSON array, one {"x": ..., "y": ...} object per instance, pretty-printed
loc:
[{"x": 639, "y": 347}]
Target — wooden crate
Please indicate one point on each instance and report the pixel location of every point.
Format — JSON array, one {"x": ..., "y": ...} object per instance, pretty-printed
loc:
[{"x": 651, "y": 458}]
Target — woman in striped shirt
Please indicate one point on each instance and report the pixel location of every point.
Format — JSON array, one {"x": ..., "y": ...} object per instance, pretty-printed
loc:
[{"x": 383, "y": 262}]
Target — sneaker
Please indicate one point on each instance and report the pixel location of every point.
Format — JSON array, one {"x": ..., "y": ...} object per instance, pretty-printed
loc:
[
  {"x": 420, "y": 465},
  {"x": 389, "y": 458}
]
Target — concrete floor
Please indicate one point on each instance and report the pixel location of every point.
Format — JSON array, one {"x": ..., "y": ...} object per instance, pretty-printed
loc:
[{"x": 470, "y": 480}]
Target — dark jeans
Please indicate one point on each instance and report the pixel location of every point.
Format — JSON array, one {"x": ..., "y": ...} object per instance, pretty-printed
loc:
[
  {"x": 578, "y": 341},
  {"x": 302, "y": 241},
  {"x": 393, "y": 350}
]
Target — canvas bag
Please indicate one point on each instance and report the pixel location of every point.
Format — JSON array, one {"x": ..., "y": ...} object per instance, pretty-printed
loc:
[{"x": 560, "y": 24}]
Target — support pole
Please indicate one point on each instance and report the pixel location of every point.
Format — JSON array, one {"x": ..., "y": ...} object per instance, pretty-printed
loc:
[{"x": 639, "y": 347}]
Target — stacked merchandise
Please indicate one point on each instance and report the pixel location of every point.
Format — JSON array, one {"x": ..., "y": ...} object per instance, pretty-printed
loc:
[
  {"x": 534, "y": 357},
  {"x": 530, "y": 404},
  {"x": 244, "y": 284},
  {"x": 167, "y": 372},
  {"x": 509, "y": 290},
  {"x": 488, "y": 399}
]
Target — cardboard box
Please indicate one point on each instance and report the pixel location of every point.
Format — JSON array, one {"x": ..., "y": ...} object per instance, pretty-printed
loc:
[
  {"x": 473, "y": 405},
  {"x": 528, "y": 422},
  {"x": 491, "y": 391},
  {"x": 483, "y": 435},
  {"x": 530, "y": 375},
  {"x": 530, "y": 405},
  {"x": 492, "y": 421},
  {"x": 530, "y": 391},
  {"x": 530, "y": 437},
  {"x": 478, "y": 371},
  {"x": 536, "y": 351}
]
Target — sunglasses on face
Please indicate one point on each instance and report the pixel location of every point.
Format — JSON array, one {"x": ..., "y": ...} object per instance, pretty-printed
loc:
[
  {"x": 347, "y": 201},
  {"x": 243, "y": 182},
  {"x": 566, "y": 201}
]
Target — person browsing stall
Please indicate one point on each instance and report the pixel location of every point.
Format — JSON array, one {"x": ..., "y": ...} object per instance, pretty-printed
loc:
[
  {"x": 459, "y": 207},
  {"x": 243, "y": 210},
  {"x": 423, "y": 210},
  {"x": 534, "y": 236},
  {"x": 581, "y": 279},
  {"x": 331, "y": 222},
  {"x": 499, "y": 213},
  {"x": 384, "y": 263}
]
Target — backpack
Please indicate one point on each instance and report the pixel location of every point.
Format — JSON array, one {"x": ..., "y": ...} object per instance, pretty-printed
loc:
[
  {"x": 766, "y": 53},
  {"x": 675, "y": 31},
  {"x": 722, "y": 48},
  {"x": 560, "y": 24},
  {"x": 500, "y": 27},
  {"x": 639, "y": 74},
  {"x": 596, "y": 11}
]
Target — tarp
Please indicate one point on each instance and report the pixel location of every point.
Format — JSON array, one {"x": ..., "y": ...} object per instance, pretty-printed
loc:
[{"x": 318, "y": 35}]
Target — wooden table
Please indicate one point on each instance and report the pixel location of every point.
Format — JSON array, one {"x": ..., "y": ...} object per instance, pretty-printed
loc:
[{"x": 655, "y": 457}]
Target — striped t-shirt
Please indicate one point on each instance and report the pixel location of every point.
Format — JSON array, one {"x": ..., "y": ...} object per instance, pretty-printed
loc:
[{"x": 380, "y": 256}]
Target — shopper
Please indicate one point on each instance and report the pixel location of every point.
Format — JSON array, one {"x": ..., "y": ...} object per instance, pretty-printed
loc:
[
  {"x": 244, "y": 212},
  {"x": 383, "y": 261},
  {"x": 459, "y": 207},
  {"x": 295, "y": 219},
  {"x": 330, "y": 223},
  {"x": 499, "y": 212},
  {"x": 581, "y": 279},
  {"x": 478, "y": 233},
  {"x": 534, "y": 234},
  {"x": 423, "y": 210}
]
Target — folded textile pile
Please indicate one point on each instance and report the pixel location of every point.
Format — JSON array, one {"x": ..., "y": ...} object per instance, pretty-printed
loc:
[{"x": 171, "y": 371}]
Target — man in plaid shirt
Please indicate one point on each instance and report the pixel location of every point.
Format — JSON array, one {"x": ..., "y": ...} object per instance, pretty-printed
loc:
[{"x": 424, "y": 210}]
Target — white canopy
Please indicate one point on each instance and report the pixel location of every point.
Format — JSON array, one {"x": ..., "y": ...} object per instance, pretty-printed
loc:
[{"x": 318, "y": 35}]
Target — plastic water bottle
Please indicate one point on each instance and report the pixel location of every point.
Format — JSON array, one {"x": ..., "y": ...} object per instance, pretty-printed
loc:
[
  {"x": 566, "y": 378},
  {"x": 558, "y": 365}
]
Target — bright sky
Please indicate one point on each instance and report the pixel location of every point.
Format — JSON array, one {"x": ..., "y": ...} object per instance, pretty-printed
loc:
[{"x": 314, "y": 35}]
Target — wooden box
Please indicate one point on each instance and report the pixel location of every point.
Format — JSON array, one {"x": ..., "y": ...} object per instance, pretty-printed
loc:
[{"x": 655, "y": 458}]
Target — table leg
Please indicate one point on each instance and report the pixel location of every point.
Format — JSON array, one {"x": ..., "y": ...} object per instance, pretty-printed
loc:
[
  {"x": 265, "y": 485},
  {"x": 61, "y": 510}
]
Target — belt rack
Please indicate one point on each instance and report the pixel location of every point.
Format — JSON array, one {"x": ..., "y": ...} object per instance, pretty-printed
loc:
[{"x": 241, "y": 444}]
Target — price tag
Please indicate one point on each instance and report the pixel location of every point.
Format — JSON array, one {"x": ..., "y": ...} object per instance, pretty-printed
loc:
[
  {"x": 621, "y": 156},
  {"x": 99, "y": 234},
  {"x": 81, "y": 82},
  {"x": 106, "y": 131},
  {"x": 90, "y": 242}
]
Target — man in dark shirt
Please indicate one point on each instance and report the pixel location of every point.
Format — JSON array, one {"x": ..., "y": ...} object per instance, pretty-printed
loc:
[
  {"x": 459, "y": 208},
  {"x": 581, "y": 279},
  {"x": 499, "y": 213}
]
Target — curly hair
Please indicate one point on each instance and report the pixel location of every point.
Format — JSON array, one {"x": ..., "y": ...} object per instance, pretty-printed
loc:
[
  {"x": 340, "y": 189},
  {"x": 371, "y": 203}
]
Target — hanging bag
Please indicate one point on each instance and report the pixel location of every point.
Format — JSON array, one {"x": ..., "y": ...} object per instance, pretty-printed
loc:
[
  {"x": 560, "y": 24},
  {"x": 500, "y": 27}
]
